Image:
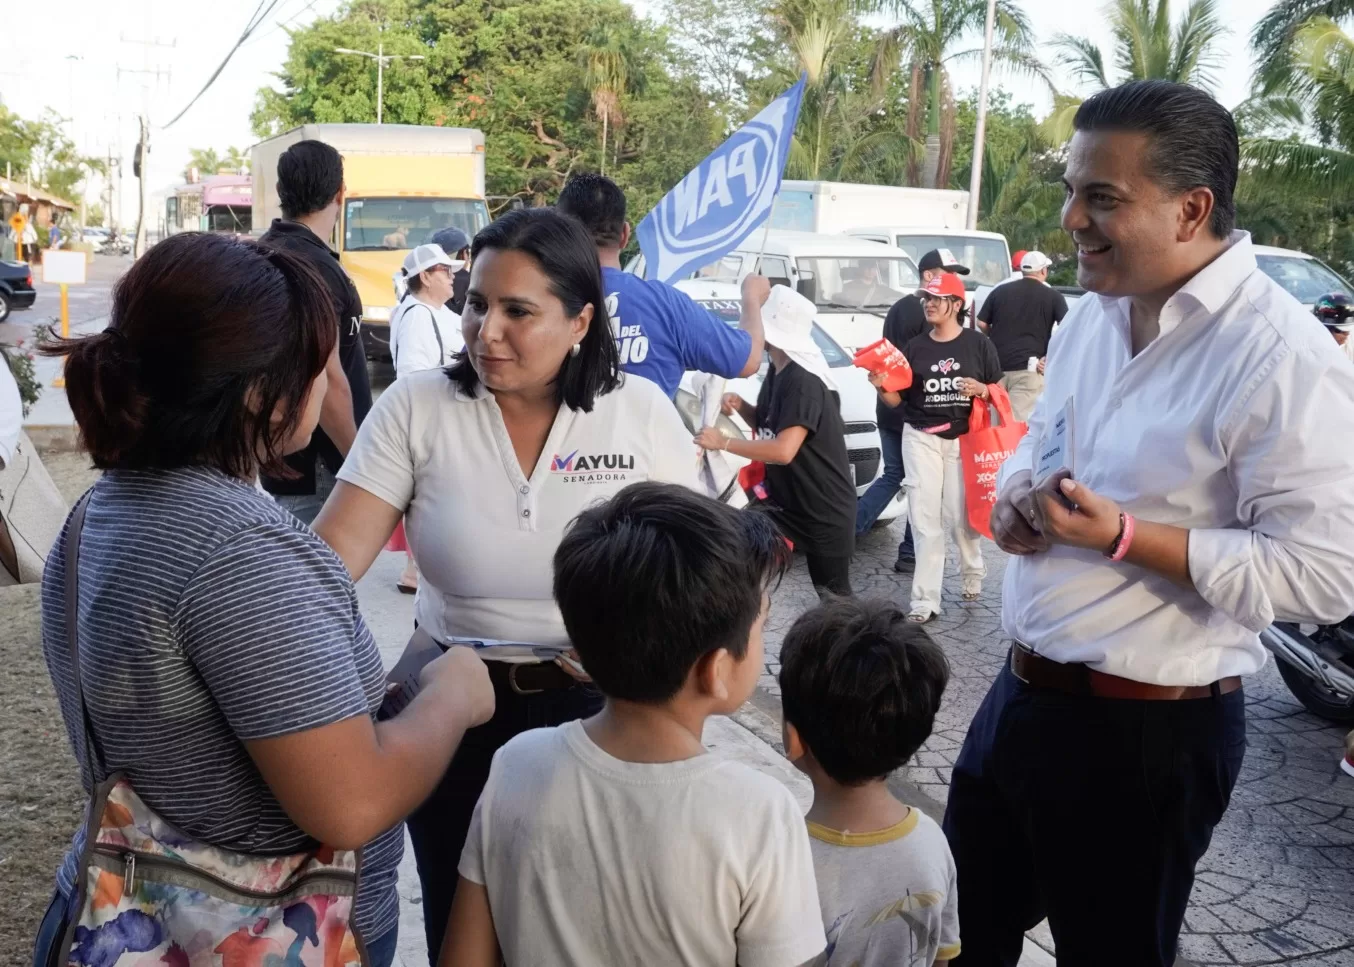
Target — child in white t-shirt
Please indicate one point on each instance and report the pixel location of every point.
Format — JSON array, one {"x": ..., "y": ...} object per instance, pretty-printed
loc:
[
  {"x": 860, "y": 686},
  {"x": 620, "y": 840}
]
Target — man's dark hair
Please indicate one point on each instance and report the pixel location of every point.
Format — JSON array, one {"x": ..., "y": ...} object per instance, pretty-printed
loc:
[
  {"x": 657, "y": 577},
  {"x": 1193, "y": 138},
  {"x": 562, "y": 250},
  {"x": 209, "y": 338},
  {"x": 597, "y": 202},
  {"x": 309, "y": 175},
  {"x": 861, "y": 685}
]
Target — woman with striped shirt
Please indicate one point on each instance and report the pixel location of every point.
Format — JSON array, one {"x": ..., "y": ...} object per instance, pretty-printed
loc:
[{"x": 225, "y": 667}]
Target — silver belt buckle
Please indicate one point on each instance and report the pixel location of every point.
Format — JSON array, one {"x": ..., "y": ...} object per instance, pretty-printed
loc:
[{"x": 512, "y": 679}]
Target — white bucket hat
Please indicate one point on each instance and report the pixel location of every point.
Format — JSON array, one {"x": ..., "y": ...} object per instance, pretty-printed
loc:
[{"x": 787, "y": 321}]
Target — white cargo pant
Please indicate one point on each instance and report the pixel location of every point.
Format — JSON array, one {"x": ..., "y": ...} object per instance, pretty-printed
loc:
[{"x": 935, "y": 504}]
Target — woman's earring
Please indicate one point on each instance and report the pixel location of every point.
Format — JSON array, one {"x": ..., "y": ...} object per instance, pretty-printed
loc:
[{"x": 576, "y": 349}]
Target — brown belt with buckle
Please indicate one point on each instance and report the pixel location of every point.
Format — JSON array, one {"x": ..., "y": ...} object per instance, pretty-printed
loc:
[
  {"x": 1077, "y": 679},
  {"x": 530, "y": 677}
]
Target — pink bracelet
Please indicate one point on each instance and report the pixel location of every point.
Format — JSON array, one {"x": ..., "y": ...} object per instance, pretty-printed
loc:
[{"x": 1120, "y": 550}]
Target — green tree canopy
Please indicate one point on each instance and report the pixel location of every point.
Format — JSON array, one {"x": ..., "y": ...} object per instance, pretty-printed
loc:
[
  {"x": 40, "y": 150},
  {"x": 542, "y": 78}
]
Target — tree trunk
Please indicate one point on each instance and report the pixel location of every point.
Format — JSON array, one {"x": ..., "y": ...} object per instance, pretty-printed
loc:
[
  {"x": 605, "y": 116},
  {"x": 931, "y": 159}
]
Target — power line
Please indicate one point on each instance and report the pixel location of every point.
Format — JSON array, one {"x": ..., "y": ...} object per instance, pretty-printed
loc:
[
  {"x": 283, "y": 24},
  {"x": 260, "y": 14}
]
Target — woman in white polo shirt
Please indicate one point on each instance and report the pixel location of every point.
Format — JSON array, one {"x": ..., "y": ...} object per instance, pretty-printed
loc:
[{"x": 488, "y": 462}]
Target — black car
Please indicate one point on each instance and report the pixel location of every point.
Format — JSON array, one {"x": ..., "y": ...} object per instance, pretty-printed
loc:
[{"x": 16, "y": 288}]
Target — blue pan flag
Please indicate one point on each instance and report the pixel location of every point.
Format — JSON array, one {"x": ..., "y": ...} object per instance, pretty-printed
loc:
[{"x": 724, "y": 198}]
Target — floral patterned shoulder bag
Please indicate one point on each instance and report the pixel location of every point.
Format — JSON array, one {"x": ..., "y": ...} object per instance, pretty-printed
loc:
[{"x": 146, "y": 893}]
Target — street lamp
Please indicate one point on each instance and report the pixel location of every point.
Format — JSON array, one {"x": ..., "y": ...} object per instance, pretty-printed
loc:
[{"x": 380, "y": 57}]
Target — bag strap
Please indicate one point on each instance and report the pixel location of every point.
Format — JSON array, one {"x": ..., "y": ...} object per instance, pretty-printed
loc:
[
  {"x": 1001, "y": 402},
  {"x": 437, "y": 331},
  {"x": 72, "y": 553}
]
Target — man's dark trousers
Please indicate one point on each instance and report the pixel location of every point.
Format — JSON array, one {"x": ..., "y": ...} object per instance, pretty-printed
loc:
[{"x": 1090, "y": 811}]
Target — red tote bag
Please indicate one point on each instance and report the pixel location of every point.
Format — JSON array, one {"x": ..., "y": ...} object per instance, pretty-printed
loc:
[{"x": 983, "y": 449}]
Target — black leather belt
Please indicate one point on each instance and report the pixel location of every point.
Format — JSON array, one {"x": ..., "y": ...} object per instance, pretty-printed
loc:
[
  {"x": 530, "y": 678},
  {"x": 1078, "y": 679}
]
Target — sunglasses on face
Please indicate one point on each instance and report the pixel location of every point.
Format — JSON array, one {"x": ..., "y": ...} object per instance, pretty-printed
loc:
[{"x": 928, "y": 299}]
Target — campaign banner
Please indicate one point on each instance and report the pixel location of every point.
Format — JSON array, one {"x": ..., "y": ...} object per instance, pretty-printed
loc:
[{"x": 724, "y": 198}]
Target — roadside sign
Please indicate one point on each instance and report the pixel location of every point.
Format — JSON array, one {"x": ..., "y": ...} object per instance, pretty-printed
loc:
[
  {"x": 65, "y": 268},
  {"x": 18, "y": 223}
]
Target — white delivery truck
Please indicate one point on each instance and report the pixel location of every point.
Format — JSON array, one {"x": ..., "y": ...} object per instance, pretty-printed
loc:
[
  {"x": 403, "y": 183},
  {"x": 915, "y": 220},
  {"x": 832, "y": 207}
]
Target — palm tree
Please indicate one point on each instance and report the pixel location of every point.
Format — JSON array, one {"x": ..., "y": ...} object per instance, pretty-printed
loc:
[
  {"x": 837, "y": 136},
  {"x": 205, "y": 160},
  {"x": 606, "y": 74},
  {"x": 1318, "y": 65},
  {"x": 1018, "y": 202},
  {"x": 932, "y": 36},
  {"x": 1273, "y": 36},
  {"x": 1147, "y": 46}
]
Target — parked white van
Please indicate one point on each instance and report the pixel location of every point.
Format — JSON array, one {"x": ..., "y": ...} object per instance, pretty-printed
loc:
[
  {"x": 852, "y": 281},
  {"x": 986, "y": 254}
]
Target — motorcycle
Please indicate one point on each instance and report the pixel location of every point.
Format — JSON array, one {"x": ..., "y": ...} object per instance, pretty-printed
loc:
[
  {"x": 1317, "y": 664},
  {"x": 116, "y": 245}
]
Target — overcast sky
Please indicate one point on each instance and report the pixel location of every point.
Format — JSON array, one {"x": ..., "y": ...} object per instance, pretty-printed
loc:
[{"x": 87, "y": 74}]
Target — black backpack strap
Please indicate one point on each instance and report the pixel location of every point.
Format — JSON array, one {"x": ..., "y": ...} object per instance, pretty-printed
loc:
[{"x": 72, "y": 553}]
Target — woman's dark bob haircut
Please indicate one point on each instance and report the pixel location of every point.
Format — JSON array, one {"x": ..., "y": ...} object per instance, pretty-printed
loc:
[
  {"x": 566, "y": 254},
  {"x": 209, "y": 338}
]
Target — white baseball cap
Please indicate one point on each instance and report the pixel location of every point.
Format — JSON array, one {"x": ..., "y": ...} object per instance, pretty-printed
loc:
[
  {"x": 425, "y": 257},
  {"x": 1035, "y": 262}
]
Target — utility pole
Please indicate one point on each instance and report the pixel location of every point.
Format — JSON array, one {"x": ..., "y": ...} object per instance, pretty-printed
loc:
[
  {"x": 141, "y": 159},
  {"x": 380, "y": 57},
  {"x": 139, "y": 163},
  {"x": 975, "y": 181}
]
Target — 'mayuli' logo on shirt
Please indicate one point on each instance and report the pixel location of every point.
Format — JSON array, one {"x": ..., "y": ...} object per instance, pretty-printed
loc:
[
  {"x": 595, "y": 468},
  {"x": 945, "y": 366}
]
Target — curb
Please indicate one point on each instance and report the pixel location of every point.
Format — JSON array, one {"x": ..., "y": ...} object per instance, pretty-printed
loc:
[{"x": 55, "y": 438}]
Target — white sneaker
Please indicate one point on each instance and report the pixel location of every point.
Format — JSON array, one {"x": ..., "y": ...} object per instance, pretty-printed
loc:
[{"x": 1347, "y": 763}]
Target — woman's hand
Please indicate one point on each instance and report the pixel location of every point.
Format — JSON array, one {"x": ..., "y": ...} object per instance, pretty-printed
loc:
[
  {"x": 1092, "y": 522},
  {"x": 711, "y": 439},
  {"x": 971, "y": 387},
  {"x": 463, "y": 675},
  {"x": 730, "y": 404},
  {"x": 876, "y": 380}
]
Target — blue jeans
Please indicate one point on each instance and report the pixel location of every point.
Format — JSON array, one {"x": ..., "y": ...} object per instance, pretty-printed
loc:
[{"x": 872, "y": 503}]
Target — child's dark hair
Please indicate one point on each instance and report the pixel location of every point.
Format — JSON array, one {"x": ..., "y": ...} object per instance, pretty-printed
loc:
[
  {"x": 657, "y": 577},
  {"x": 861, "y": 685}
]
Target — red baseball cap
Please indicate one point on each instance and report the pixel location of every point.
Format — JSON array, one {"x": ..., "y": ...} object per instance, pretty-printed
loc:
[
  {"x": 946, "y": 283},
  {"x": 1017, "y": 259}
]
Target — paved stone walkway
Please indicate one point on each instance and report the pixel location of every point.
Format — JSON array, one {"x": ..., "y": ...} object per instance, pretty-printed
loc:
[{"x": 1277, "y": 886}]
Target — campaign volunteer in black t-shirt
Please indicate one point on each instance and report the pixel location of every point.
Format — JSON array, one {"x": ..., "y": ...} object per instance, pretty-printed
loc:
[
  {"x": 800, "y": 437},
  {"x": 1019, "y": 316},
  {"x": 906, "y": 320},
  {"x": 310, "y": 189},
  {"x": 950, "y": 366}
]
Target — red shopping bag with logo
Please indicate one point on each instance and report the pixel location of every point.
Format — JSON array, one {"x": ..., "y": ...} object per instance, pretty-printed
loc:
[
  {"x": 885, "y": 358},
  {"x": 983, "y": 449}
]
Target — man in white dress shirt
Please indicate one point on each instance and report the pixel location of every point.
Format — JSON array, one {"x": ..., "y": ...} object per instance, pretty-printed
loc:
[{"x": 1210, "y": 499}]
